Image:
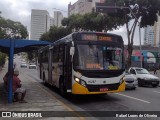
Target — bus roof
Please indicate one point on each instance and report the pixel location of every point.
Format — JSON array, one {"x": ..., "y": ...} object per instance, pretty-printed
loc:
[{"x": 74, "y": 34}]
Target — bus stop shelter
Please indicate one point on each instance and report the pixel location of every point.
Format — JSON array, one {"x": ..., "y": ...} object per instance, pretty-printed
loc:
[{"x": 13, "y": 46}]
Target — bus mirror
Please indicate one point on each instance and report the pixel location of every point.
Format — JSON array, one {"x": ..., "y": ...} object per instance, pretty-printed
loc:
[{"x": 72, "y": 49}]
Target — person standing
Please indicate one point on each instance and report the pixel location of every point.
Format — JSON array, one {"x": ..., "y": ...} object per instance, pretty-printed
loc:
[{"x": 155, "y": 69}]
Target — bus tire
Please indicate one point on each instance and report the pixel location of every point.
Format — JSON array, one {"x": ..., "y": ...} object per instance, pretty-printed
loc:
[{"x": 62, "y": 88}]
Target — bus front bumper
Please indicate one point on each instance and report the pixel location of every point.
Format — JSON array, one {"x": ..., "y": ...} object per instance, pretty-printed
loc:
[{"x": 79, "y": 89}]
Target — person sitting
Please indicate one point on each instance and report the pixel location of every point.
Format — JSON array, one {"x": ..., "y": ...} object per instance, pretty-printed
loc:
[{"x": 16, "y": 86}]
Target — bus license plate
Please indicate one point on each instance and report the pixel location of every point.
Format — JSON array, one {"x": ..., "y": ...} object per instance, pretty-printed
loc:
[
  {"x": 103, "y": 89},
  {"x": 154, "y": 82}
]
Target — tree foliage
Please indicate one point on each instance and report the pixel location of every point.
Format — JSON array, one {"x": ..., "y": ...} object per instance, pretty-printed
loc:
[
  {"x": 12, "y": 30},
  {"x": 92, "y": 22},
  {"x": 141, "y": 12},
  {"x": 2, "y": 58},
  {"x": 55, "y": 33},
  {"x": 87, "y": 22}
]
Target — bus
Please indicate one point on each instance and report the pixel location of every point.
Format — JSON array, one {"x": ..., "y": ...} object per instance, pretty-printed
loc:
[{"x": 84, "y": 63}]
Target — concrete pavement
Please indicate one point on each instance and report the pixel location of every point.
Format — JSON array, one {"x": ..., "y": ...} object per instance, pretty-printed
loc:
[{"x": 38, "y": 99}]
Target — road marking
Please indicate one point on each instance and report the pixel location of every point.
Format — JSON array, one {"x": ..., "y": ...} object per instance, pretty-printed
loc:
[
  {"x": 133, "y": 98},
  {"x": 156, "y": 91}
]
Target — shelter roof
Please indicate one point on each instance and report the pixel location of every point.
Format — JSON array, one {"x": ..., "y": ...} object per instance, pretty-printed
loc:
[{"x": 21, "y": 45}]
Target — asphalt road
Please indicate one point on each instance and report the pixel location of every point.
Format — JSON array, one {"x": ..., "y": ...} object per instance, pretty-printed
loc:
[{"x": 141, "y": 99}]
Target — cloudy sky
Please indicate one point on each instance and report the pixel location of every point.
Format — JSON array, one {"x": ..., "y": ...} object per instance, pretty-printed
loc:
[{"x": 20, "y": 10}]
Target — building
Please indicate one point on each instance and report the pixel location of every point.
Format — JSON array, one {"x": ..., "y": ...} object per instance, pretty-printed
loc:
[
  {"x": 157, "y": 32},
  {"x": 152, "y": 34},
  {"x": 82, "y": 6},
  {"x": 51, "y": 21},
  {"x": 150, "y": 56},
  {"x": 58, "y": 17},
  {"x": 149, "y": 35},
  {"x": 40, "y": 23}
]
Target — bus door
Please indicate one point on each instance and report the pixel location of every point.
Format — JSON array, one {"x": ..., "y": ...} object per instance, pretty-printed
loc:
[
  {"x": 50, "y": 67},
  {"x": 40, "y": 64},
  {"x": 68, "y": 68}
]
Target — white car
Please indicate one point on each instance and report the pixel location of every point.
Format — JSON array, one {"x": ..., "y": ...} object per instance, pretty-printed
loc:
[
  {"x": 131, "y": 81},
  {"x": 32, "y": 66},
  {"x": 144, "y": 77},
  {"x": 23, "y": 65}
]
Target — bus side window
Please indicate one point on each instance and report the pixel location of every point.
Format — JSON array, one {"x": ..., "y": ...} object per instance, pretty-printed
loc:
[
  {"x": 55, "y": 54},
  {"x": 61, "y": 59}
]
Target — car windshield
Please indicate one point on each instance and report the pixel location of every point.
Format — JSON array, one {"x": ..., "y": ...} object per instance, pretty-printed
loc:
[
  {"x": 98, "y": 57},
  {"x": 142, "y": 71}
]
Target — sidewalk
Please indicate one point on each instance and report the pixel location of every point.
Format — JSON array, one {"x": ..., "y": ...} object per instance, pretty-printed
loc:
[{"x": 38, "y": 99}]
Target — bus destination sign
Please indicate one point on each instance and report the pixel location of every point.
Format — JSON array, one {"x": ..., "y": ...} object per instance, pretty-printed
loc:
[{"x": 93, "y": 37}]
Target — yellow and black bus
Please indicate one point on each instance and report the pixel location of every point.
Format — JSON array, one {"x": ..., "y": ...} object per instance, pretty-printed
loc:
[{"x": 84, "y": 63}]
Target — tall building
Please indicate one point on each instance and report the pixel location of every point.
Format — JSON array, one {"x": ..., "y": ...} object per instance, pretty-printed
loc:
[
  {"x": 157, "y": 32},
  {"x": 40, "y": 23},
  {"x": 152, "y": 34},
  {"x": 58, "y": 16},
  {"x": 149, "y": 35},
  {"x": 82, "y": 6}
]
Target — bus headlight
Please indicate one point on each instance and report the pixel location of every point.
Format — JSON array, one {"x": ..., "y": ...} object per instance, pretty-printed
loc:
[
  {"x": 82, "y": 82},
  {"x": 77, "y": 79}
]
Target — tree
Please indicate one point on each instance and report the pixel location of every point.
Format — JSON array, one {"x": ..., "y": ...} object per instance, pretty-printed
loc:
[
  {"x": 2, "y": 58},
  {"x": 92, "y": 22},
  {"x": 45, "y": 37},
  {"x": 55, "y": 33},
  {"x": 145, "y": 11},
  {"x": 75, "y": 22},
  {"x": 12, "y": 30}
]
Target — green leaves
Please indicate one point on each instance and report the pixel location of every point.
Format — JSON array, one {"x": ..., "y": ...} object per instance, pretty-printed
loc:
[
  {"x": 2, "y": 58},
  {"x": 92, "y": 22},
  {"x": 12, "y": 30},
  {"x": 55, "y": 33}
]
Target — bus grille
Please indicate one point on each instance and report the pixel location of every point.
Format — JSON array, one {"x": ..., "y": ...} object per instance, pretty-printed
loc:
[{"x": 96, "y": 88}]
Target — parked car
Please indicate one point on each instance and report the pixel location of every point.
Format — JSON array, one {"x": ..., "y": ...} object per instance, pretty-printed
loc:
[
  {"x": 23, "y": 65},
  {"x": 131, "y": 81},
  {"x": 144, "y": 77},
  {"x": 32, "y": 66}
]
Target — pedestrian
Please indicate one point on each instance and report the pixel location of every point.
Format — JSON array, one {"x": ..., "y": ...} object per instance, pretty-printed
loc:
[
  {"x": 155, "y": 69},
  {"x": 17, "y": 88}
]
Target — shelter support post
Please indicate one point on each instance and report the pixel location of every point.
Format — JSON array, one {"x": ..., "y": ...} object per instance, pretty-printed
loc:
[{"x": 11, "y": 55}]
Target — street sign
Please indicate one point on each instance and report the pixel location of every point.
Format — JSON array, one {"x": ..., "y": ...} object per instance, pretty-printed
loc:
[{"x": 105, "y": 8}]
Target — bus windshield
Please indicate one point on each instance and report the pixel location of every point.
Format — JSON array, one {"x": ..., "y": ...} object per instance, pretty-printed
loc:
[{"x": 98, "y": 57}]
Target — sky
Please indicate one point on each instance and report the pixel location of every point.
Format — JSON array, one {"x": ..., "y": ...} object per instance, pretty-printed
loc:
[{"x": 20, "y": 10}]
